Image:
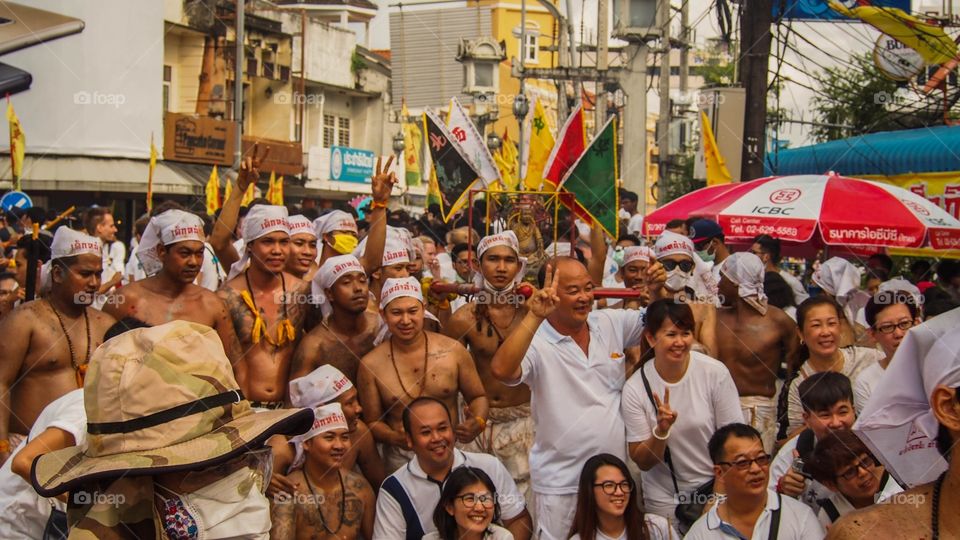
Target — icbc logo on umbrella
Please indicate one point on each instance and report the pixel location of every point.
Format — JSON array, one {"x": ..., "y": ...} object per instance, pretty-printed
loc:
[{"x": 785, "y": 196}]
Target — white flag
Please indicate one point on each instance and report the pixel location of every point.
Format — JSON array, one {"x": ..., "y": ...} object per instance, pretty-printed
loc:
[{"x": 472, "y": 143}]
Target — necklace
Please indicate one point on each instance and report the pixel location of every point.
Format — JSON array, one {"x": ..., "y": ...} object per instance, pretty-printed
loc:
[
  {"x": 79, "y": 369},
  {"x": 316, "y": 499},
  {"x": 285, "y": 330},
  {"x": 935, "y": 510},
  {"x": 495, "y": 328},
  {"x": 423, "y": 379}
]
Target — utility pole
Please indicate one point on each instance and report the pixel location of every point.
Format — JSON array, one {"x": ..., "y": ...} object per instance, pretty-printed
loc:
[
  {"x": 238, "y": 86},
  {"x": 685, "y": 48},
  {"x": 756, "y": 18},
  {"x": 663, "y": 123},
  {"x": 602, "y": 43}
]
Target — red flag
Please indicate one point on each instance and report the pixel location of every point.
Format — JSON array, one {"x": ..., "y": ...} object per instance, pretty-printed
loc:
[{"x": 571, "y": 142}]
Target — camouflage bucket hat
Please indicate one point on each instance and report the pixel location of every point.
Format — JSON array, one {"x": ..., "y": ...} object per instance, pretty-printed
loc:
[{"x": 161, "y": 400}]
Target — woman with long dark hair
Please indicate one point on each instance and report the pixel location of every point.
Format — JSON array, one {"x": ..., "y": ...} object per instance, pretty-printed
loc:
[
  {"x": 468, "y": 508},
  {"x": 671, "y": 406},
  {"x": 608, "y": 507}
]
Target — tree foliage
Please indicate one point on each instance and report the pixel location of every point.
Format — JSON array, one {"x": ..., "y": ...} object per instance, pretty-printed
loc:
[{"x": 854, "y": 95}]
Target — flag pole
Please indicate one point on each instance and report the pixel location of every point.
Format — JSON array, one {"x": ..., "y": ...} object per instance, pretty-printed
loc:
[
  {"x": 13, "y": 153},
  {"x": 150, "y": 176}
]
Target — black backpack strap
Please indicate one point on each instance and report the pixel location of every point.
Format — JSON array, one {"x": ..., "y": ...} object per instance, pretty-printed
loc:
[
  {"x": 831, "y": 509},
  {"x": 414, "y": 528},
  {"x": 666, "y": 451},
  {"x": 775, "y": 520}
]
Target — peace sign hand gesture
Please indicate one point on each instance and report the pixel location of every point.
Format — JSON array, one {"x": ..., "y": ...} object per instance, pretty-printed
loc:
[
  {"x": 665, "y": 415},
  {"x": 381, "y": 184},
  {"x": 250, "y": 168},
  {"x": 544, "y": 301}
]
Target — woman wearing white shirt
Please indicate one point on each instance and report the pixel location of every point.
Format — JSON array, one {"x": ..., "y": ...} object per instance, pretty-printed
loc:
[
  {"x": 607, "y": 506},
  {"x": 468, "y": 508},
  {"x": 690, "y": 396}
]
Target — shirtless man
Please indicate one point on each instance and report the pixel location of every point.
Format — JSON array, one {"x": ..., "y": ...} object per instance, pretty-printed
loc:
[
  {"x": 265, "y": 306},
  {"x": 331, "y": 502},
  {"x": 482, "y": 325},
  {"x": 303, "y": 248},
  {"x": 411, "y": 363},
  {"x": 753, "y": 339},
  {"x": 636, "y": 261},
  {"x": 47, "y": 342},
  {"x": 324, "y": 386},
  {"x": 171, "y": 251},
  {"x": 676, "y": 254},
  {"x": 348, "y": 328}
]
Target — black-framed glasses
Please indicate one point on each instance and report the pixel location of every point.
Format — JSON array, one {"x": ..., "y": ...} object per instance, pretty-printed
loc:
[
  {"x": 867, "y": 463},
  {"x": 670, "y": 264},
  {"x": 762, "y": 460},
  {"x": 471, "y": 499},
  {"x": 610, "y": 487},
  {"x": 888, "y": 328}
]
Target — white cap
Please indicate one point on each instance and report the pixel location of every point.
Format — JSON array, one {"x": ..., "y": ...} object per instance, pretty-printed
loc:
[
  {"x": 897, "y": 423},
  {"x": 505, "y": 238},
  {"x": 637, "y": 253},
  {"x": 329, "y": 272},
  {"x": 260, "y": 221},
  {"x": 838, "y": 277},
  {"x": 320, "y": 386},
  {"x": 746, "y": 271},
  {"x": 397, "y": 248},
  {"x": 69, "y": 243},
  {"x": 671, "y": 243},
  {"x": 325, "y": 418},
  {"x": 301, "y": 225},
  {"x": 333, "y": 221},
  {"x": 167, "y": 228},
  {"x": 394, "y": 288}
]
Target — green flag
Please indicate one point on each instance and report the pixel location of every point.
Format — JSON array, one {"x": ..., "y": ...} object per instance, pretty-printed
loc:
[{"x": 593, "y": 181}]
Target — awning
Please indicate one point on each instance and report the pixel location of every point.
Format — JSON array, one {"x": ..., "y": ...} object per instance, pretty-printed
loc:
[
  {"x": 111, "y": 175},
  {"x": 888, "y": 153}
]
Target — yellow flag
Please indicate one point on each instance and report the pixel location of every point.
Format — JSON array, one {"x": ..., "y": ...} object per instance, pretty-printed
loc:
[
  {"x": 227, "y": 189},
  {"x": 933, "y": 44},
  {"x": 248, "y": 196},
  {"x": 277, "y": 192},
  {"x": 18, "y": 144},
  {"x": 717, "y": 172},
  {"x": 540, "y": 145},
  {"x": 153, "y": 165},
  {"x": 508, "y": 162},
  {"x": 412, "y": 148},
  {"x": 213, "y": 192}
]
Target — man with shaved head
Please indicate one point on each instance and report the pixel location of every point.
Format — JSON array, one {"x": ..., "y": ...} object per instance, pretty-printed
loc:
[{"x": 572, "y": 359}]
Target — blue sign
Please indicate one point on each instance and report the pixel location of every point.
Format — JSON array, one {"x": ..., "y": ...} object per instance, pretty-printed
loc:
[
  {"x": 819, "y": 10},
  {"x": 351, "y": 164},
  {"x": 15, "y": 199}
]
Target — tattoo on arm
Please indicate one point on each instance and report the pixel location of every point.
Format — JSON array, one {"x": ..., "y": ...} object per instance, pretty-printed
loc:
[{"x": 283, "y": 518}]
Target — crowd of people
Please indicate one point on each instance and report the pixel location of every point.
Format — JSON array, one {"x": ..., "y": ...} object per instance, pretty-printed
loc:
[{"x": 283, "y": 373}]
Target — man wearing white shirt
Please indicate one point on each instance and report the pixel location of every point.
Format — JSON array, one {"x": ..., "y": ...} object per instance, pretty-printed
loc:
[
  {"x": 24, "y": 513},
  {"x": 409, "y": 496},
  {"x": 574, "y": 366},
  {"x": 749, "y": 510},
  {"x": 99, "y": 223}
]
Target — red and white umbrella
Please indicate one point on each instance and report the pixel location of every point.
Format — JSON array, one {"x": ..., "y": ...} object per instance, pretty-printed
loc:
[{"x": 846, "y": 211}]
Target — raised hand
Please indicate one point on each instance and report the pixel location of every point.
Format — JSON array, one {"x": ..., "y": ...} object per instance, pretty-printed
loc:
[
  {"x": 655, "y": 275},
  {"x": 544, "y": 301},
  {"x": 468, "y": 430},
  {"x": 250, "y": 168},
  {"x": 381, "y": 183},
  {"x": 665, "y": 415}
]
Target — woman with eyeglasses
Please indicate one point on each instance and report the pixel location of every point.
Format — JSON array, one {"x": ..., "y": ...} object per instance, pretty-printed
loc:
[
  {"x": 608, "y": 507},
  {"x": 889, "y": 315},
  {"x": 468, "y": 508},
  {"x": 843, "y": 464},
  {"x": 671, "y": 406}
]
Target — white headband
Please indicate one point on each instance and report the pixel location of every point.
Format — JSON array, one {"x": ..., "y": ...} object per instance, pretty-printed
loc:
[
  {"x": 320, "y": 386},
  {"x": 505, "y": 238},
  {"x": 838, "y": 277},
  {"x": 746, "y": 271},
  {"x": 337, "y": 220},
  {"x": 260, "y": 221},
  {"x": 671, "y": 243},
  {"x": 69, "y": 243},
  {"x": 637, "y": 253},
  {"x": 170, "y": 227},
  {"x": 329, "y": 272},
  {"x": 301, "y": 225},
  {"x": 394, "y": 288},
  {"x": 325, "y": 418}
]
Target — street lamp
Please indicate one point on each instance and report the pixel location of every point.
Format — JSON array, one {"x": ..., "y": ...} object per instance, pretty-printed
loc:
[
  {"x": 521, "y": 106},
  {"x": 493, "y": 142},
  {"x": 398, "y": 143}
]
